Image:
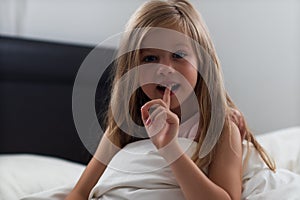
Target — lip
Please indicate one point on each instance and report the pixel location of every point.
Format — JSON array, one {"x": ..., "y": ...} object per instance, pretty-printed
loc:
[
  {"x": 173, "y": 86},
  {"x": 162, "y": 92},
  {"x": 168, "y": 84}
]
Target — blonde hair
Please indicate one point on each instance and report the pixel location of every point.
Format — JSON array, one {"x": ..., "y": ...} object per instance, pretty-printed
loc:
[{"x": 180, "y": 14}]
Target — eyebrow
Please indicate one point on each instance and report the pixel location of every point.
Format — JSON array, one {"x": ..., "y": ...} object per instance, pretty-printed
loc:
[
  {"x": 182, "y": 45},
  {"x": 147, "y": 50},
  {"x": 179, "y": 45}
]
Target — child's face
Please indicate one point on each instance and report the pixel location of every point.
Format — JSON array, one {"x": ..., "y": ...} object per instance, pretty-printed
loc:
[{"x": 175, "y": 68}]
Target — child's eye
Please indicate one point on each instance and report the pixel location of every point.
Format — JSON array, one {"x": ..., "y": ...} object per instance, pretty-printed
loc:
[
  {"x": 179, "y": 54},
  {"x": 149, "y": 59}
]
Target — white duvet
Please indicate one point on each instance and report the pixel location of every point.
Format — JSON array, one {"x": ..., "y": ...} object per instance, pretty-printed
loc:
[
  {"x": 260, "y": 183},
  {"x": 145, "y": 175},
  {"x": 139, "y": 172}
]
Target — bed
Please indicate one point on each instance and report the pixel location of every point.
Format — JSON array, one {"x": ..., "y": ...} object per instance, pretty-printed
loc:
[
  {"x": 40, "y": 151},
  {"x": 36, "y": 82}
]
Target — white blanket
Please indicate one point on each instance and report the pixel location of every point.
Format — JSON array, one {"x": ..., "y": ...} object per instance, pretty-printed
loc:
[
  {"x": 259, "y": 182},
  {"x": 145, "y": 175},
  {"x": 138, "y": 179},
  {"x": 139, "y": 172}
]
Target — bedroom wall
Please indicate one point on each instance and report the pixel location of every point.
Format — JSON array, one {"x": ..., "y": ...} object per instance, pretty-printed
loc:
[{"x": 257, "y": 41}]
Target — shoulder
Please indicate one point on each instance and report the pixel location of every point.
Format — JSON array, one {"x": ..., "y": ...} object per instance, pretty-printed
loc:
[
  {"x": 228, "y": 149},
  {"x": 112, "y": 137},
  {"x": 230, "y": 141},
  {"x": 231, "y": 131}
]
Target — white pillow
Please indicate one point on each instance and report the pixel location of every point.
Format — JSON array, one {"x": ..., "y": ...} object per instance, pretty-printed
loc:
[
  {"x": 25, "y": 174},
  {"x": 284, "y": 146}
]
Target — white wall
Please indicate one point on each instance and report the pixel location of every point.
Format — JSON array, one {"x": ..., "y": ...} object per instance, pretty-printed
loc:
[
  {"x": 259, "y": 46},
  {"x": 78, "y": 21},
  {"x": 258, "y": 42}
]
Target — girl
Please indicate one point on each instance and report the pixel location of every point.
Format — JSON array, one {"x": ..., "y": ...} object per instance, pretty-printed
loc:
[{"x": 162, "y": 104}]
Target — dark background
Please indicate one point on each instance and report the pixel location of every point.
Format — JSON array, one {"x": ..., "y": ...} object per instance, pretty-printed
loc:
[{"x": 36, "y": 83}]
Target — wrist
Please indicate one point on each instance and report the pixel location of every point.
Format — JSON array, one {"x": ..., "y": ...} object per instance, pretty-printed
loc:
[{"x": 171, "y": 151}]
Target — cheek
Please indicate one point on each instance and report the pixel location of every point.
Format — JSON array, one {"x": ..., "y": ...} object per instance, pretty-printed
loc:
[
  {"x": 148, "y": 90},
  {"x": 194, "y": 78},
  {"x": 191, "y": 75}
]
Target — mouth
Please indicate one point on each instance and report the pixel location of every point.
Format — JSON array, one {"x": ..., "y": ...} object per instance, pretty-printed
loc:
[{"x": 173, "y": 87}]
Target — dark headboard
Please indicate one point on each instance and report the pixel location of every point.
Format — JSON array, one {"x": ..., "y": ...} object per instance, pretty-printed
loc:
[{"x": 36, "y": 82}]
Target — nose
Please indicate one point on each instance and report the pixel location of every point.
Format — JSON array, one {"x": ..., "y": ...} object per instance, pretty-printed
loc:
[{"x": 166, "y": 66}]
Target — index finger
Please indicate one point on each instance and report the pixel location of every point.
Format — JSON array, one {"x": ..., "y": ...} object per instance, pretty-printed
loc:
[{"x": 166, "y": 97}]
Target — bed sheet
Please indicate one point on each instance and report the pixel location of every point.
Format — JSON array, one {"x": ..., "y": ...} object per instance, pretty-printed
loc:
[{"x": 41, "y": 177}]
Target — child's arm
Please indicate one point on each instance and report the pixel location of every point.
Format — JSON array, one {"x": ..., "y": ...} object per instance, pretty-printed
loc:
[
  {"x": 94, "y": 169},
  {"x": 224, "y": 174},
  {"x": 87, "y": 181}
]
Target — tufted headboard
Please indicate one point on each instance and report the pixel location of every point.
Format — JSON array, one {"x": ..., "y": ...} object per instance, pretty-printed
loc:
[{"x": 36, "y": 83}]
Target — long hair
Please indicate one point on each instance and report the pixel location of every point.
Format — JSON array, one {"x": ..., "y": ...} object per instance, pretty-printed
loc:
[{"x": 180, "y": 14}]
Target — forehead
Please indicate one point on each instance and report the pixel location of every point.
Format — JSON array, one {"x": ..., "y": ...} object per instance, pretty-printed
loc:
[{"x": 165, "y": 39}]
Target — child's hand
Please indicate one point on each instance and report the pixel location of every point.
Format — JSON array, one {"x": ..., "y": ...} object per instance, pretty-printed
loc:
[
  {"x": 162, "y": 124},
  {"x": 239, "y": 121}
]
